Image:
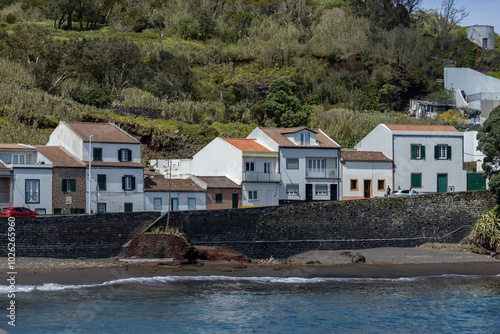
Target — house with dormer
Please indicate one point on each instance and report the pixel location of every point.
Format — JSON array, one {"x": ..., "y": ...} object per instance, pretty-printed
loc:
[
  {"x": 428, "y": 158},
  {"x": 308, "y": 163},
  {"x": 112, "y": 157},
  {"x": 24, "y": 179}
]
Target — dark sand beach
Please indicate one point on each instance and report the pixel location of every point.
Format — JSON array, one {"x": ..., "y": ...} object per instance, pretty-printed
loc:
[{"x": 380, "y": 263}]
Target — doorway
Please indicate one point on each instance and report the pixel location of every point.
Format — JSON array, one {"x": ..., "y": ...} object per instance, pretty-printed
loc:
[
  {"x": 309, "y": 192},
  {"x": 442, "y": 183},
  {"x": 235, "y": 201},
  {"x": 333, "y": 192},
  {"x": 367, "y": 188}
]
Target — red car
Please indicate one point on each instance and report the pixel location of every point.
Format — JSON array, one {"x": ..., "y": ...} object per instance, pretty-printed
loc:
[{"x": 17, "y": 211}]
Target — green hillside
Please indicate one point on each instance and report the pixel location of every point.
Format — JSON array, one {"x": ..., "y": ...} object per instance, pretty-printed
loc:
[{"x": 179, "y": 73}]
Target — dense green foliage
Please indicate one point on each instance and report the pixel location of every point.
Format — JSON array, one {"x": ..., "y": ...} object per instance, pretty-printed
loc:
[
  {"x": 179, "y": 73},
  {"x": 489, "y": 143},
  {"x": 486, "y": 232}
]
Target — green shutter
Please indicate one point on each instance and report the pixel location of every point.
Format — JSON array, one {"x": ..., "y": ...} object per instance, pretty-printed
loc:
[
  {"x": 64, "y": 187},
  {"x": 101, "y": 181},
  {"x": 129, "y": 155},
  {"x": 133, "y": 182},
  {"x": 72, "y": 184},
  {"x": 123, "y": 182},
  {"x": 422, "y": 152},
  {"x": 413, "y": 151},
  {"x": 119, "y": 155},
  {"x": 448, "y": 152},
  {"x": 416, "y": 180},
  {"x": 72, "y": 211},
  {"x": 436, "y": 152}
]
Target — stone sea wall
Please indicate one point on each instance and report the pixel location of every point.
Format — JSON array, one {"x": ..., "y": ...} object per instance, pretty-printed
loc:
[{"x": 261, "y": 232}]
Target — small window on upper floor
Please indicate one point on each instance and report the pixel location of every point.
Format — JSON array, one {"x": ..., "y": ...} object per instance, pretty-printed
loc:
[
  {"x": 305, "y": 138},
  {"x": 97, "y": 154},
  {"x": 124, "y": 155}
]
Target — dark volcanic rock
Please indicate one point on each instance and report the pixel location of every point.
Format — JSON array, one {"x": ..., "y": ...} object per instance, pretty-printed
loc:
[
  {"x": 223, "y": 253},
  {"x": 160, "y": 246}
]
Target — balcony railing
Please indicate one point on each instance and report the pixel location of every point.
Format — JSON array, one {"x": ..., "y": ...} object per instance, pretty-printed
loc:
[
  {"x": 321, "y": 173},
  {"x": 261, "y": 177}
]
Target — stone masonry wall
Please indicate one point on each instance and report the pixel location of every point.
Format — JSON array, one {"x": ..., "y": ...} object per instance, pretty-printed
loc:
[
  {"x": 261, "y": 232},
  {"x": 291, "y": 229},
  {"x": 74, "y": 236}
]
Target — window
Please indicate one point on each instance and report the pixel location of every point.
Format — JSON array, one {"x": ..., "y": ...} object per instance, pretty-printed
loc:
[
  {"x": 354, "y": 184},
  {"x": 21, "y": 159},
  {"x": 305, "y": 138},
  {"x": 321, "y": 189},
  {"x": 68, "y": 185},
  {"x": 292, "y": 189},
  {"x": 417, "y": 152},
  {"x": 218, "y": 198},
  {"x": 128, "y": 182},
  {"x": 57, "y": 211},
  {"x": 174, "y": 204},
  {"x": 129, "y": 207},
  {"x": 191, "y": 203},
  {"x": 75, "y": 211},
  {"x": 157, "y": 203},
  {"x": 252, "y": 195},
  {"x": 292, "y": 163},
  {"x": 101, "y": 181},
  {"x": 101, "y": 207},
  {"x": 381, "y": 185},
  {"x": 316, "y": 166},
  {"x": 32, "y": 188},
  {"x": 416, "y": 180},
  {"x": 267, "y": 167},
  {"x": 124, "y": 155},
  {"x": 442, "y": 152},
  {"x": 250, "y": 166},
  {"x": 97, "y": 154}
]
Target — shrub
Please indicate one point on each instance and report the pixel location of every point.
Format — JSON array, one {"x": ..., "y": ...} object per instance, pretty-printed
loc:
[
  {"x": 10, "y": 18},
  {"x": 486, "y": 231}
]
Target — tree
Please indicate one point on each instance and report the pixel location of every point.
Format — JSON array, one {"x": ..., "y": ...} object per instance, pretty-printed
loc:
[
  {"x": 385, "y": 14},
  {"x": 489, "y": 143},
  {"x": 443, "y": 22},
  {"x": 283, "y": 107}
]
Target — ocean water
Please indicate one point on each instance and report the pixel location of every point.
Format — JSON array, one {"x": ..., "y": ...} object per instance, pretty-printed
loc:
[{"x": 219, "y": 304}]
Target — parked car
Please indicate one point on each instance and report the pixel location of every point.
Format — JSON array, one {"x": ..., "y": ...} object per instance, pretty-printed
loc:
[
  {"x": 405, "y": 192},
  {"x": 17, "y": 211}
]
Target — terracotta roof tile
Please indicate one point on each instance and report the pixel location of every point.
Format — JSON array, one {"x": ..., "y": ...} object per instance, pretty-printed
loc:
[
  {"x": 421, "y": 127},
  {"x": 218, "y": 182},
  {"x": 12, "y": 146},
  {"x": 246, "y": 145},
  {"x": 277, "y": 135},
  {"x": 369, "y": 156},
  {"x": 162, "y": 184},
  {"x": 60, "y": 157},
  {"x": 102, "y": 132}
]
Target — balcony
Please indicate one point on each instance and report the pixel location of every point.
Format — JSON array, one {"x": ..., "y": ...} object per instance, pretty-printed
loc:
[
  {"x": 321, "y": 173},
  {"x": 261, "y": 177}
]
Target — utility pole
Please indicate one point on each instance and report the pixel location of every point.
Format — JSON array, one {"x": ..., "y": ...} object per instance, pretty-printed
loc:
[{"x": 89, "y": 206}]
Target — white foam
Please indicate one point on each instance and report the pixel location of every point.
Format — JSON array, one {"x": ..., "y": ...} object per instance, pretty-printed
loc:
[{"x": 162, "y": 280}]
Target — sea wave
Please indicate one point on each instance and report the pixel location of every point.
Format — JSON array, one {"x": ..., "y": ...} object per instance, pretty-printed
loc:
[{"x": 162, "y": 280}]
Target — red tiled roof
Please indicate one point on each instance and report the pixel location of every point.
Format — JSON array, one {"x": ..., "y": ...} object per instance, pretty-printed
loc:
[
  {"x": 277, "y": 135},
  {"x": 102, "y": 132},
  {"x": 369, "y": 156},
  {"x": 218, "y": 182},
  {"x": 421, "y": 127},
  {"x": 60, "y": 157},
  {"x": 246, "y": 145},
  {"x": 12, "y": 146},
  {"x": 162, "y": 184}
]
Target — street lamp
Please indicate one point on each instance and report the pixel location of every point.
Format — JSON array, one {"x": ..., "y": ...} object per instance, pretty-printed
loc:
[{"x": 89, "y": 207}]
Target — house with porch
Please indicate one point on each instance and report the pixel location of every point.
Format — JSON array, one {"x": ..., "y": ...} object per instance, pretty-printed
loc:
[
  {"x": 308, "y": 163},
  {"x": 365, "y": 174},
  {"x": 428, "y": 158},
  {"x": 114, "y": 173}
]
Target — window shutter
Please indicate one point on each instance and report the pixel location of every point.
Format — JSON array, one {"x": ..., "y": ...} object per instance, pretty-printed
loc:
[
  {"x": 129, "y": 155},
  {"x": 413, "y": 151},
  {"x": 73, "y": 185},
  {"x": 448, "y": 152},
  {"x": 123, "y": 182},
  {"x": 436, "y": 152},
  {"x": 133, "y": 182},
  {"x": 422, "y": 152},
  {"x": 64, "y": 187},
  {"x": 119, "y": 155}
]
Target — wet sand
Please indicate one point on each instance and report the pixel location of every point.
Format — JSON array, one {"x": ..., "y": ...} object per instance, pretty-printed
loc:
[{"x": 380, "y": 263}]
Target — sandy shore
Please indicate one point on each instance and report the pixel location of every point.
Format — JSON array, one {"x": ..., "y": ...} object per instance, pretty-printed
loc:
[{"x": 380, "y": 263}]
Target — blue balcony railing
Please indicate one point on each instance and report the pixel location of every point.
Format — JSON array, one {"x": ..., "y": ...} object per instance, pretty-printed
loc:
[{"x": 261, "y": 177}]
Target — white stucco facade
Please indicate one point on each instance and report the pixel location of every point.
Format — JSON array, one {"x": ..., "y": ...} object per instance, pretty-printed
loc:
[
  {"x": 376, "y": 176},
  {"x": 182, "y": 200},
  {"x": 33, "y": 187},
  {"x": 482, "y": 35},
  {"x": 427, "y": 158}
]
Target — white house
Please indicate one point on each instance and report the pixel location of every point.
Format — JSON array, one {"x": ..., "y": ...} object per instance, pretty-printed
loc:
[
  {"x": 113, "y": 159},
  {"x": 25, "y": 181},
  {"x": 429, "y": 158},
  {"x": 365, "y": 174},
  {"x": 308, "y": 162},
  {"x": 473, "y": 89},
  {"x": 181, "y": 194}
]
